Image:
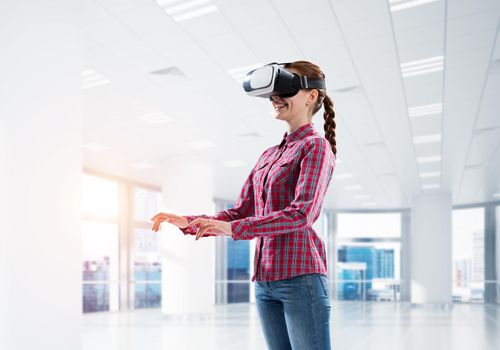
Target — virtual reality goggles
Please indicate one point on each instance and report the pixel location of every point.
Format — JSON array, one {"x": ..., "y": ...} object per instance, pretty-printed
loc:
[{"x": 272, "y": 79}]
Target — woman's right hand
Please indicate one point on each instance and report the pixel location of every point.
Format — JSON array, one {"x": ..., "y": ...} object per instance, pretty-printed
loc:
[{"x": 177, "y": 220}]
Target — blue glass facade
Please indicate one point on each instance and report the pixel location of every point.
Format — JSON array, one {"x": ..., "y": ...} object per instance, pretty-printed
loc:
[{"x": 358, "y": 266}]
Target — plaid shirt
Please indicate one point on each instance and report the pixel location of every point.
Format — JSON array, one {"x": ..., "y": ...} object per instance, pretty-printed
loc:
[{"x": 278, "y": 204}]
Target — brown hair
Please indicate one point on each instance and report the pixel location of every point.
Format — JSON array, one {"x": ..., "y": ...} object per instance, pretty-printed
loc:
[{"x": 311, "y": 70}]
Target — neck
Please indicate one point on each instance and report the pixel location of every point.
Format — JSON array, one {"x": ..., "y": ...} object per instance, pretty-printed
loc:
[{"x": 295, "y": 125}]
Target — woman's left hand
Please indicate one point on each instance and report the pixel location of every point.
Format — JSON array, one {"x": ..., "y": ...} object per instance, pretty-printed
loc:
[{"x": 217, "y": 227}]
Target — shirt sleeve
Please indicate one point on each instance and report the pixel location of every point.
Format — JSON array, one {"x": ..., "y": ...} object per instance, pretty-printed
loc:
[
  {"x": 316, "y": 170},
  {"x": 243, "y": 207}
]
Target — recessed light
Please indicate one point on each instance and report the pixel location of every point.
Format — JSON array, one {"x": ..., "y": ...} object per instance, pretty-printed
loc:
[
  {"x": 398, "y": 5},
  {"x": 418, "y": 111},
  {"x": 233, "y": 163},
  {"x": 427, "y": 139},
  {"x": 155, "y": 118},
  {"x": 418, "y": 67},
  {"x": 430, "y": 174},
  {"x": 430, "y": 159},
  {"x": 201, "y": 144},
  {"x": 95, "y": 147}
]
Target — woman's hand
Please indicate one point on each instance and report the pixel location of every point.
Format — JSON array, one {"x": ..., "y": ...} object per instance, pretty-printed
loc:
[
  {"x": 177, "y": 220},
  {"x": 217, "y": 227}
]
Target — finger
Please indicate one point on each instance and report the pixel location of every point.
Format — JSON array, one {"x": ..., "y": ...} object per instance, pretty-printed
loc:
[
  {"x": 205, "y": 229},
  {"x": 154, "y": 217},
  {"x": 196, "y": 222},
  {"x": 157, "y": 223}
]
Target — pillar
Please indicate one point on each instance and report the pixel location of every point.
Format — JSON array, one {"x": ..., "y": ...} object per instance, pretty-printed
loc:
[
  {"x": 431, "y": 249},
  {"x": 40, "y": 175},
  {"x": 188, "y": 284}
]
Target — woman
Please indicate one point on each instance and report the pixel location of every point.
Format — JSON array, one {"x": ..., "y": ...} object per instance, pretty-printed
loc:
[{"x": 278, "y": 204}]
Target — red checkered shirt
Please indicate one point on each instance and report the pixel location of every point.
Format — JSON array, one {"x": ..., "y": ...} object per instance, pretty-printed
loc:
[{"x": 281, "y": 199}]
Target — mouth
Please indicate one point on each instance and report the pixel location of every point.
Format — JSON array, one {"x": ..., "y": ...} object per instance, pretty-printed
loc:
[{"x": 279, "y": 106}]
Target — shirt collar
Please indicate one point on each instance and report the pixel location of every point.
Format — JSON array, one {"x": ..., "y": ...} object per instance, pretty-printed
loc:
[{"x": 297, "y": 134}]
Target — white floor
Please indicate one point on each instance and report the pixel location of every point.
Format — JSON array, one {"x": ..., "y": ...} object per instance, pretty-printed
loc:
[{"x": 355, "y": 326}]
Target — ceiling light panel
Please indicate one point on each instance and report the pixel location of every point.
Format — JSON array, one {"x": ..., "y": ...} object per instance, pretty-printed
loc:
[
  {"x": 427, "y": 139},
  {"x": 429, "y": 159},
  {"x": 184, "y": 10},
  {"x": 423, "y": 66},
  {"x": 430, "y": 109},
  {"x": 398, "y": 5}
]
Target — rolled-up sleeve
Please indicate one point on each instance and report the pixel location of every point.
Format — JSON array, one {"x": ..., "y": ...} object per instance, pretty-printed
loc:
[
  {"x": 243, "y": 207},
  {"x": 316, "y": 170}
]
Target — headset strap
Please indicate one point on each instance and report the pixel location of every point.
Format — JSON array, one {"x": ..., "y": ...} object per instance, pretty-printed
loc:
[
  {"x": 314, "y": 83},
  {"x": 305, "y": 82}
]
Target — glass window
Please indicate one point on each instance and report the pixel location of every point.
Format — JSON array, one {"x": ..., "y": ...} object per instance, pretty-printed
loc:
[
  {"x": 369, "y": 271},
  {"x": 234, "y": 267},
  {"x": 147, "y": 295},
  {"x": 238, "y": 269},
  {"x": 147, "y": 272},
  {"x": 103, "y": 228},
  {"x": 100, "y": 266},
  {"x": 368, "y": 263},
  {"x": 468, "y": 255},
  {"x": 147, "y": 269}
]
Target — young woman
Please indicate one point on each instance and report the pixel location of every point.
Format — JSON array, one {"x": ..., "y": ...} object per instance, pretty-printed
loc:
[{"x": 278, "y": 204}]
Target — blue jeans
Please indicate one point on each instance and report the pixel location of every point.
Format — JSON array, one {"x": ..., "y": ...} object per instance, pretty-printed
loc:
[{"x": 295, "y": 312}]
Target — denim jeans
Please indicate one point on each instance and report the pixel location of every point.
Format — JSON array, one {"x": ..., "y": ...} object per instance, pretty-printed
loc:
[{"x": 295, "y": 312}]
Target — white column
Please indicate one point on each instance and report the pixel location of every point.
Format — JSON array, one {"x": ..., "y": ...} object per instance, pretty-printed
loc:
[
  {"x": 188, "y": 265},
  {"x": 40, "y": 175},
  {"x": 431, "y": 248}
]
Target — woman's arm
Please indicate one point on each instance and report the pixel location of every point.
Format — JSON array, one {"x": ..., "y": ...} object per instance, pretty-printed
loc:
[{"x": 315, "y": 175}]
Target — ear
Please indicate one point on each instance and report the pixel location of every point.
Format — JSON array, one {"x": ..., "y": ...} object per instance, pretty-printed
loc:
[{"x": 312, "y": 96}]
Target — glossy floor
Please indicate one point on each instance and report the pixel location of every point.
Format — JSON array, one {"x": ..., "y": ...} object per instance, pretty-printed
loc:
[{"x": 354, "y": 326}]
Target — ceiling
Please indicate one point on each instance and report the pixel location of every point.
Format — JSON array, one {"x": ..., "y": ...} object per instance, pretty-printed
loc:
[{"x": 413, "y": 88}]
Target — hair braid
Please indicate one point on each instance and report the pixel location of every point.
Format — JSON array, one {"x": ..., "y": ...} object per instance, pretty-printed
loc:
[{"x": 330, "y": 124}]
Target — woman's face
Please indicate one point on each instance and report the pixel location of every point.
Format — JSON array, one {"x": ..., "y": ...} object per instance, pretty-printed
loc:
[{"x": 297, "y": 106}]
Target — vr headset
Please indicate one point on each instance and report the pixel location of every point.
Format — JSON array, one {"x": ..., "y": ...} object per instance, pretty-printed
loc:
[{"x": 272, "y": 79}]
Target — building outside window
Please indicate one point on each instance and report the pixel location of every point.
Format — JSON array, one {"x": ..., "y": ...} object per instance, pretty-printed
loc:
[
  {"x": 147, "y": 258},
  {"x": 468, "y": 255},
  {"x": 100, "y": 244},
  {"x": 368, "y": 256}
]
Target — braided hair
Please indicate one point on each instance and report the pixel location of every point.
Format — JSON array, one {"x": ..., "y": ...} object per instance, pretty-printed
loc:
[{"x": 311, "y": 70}]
